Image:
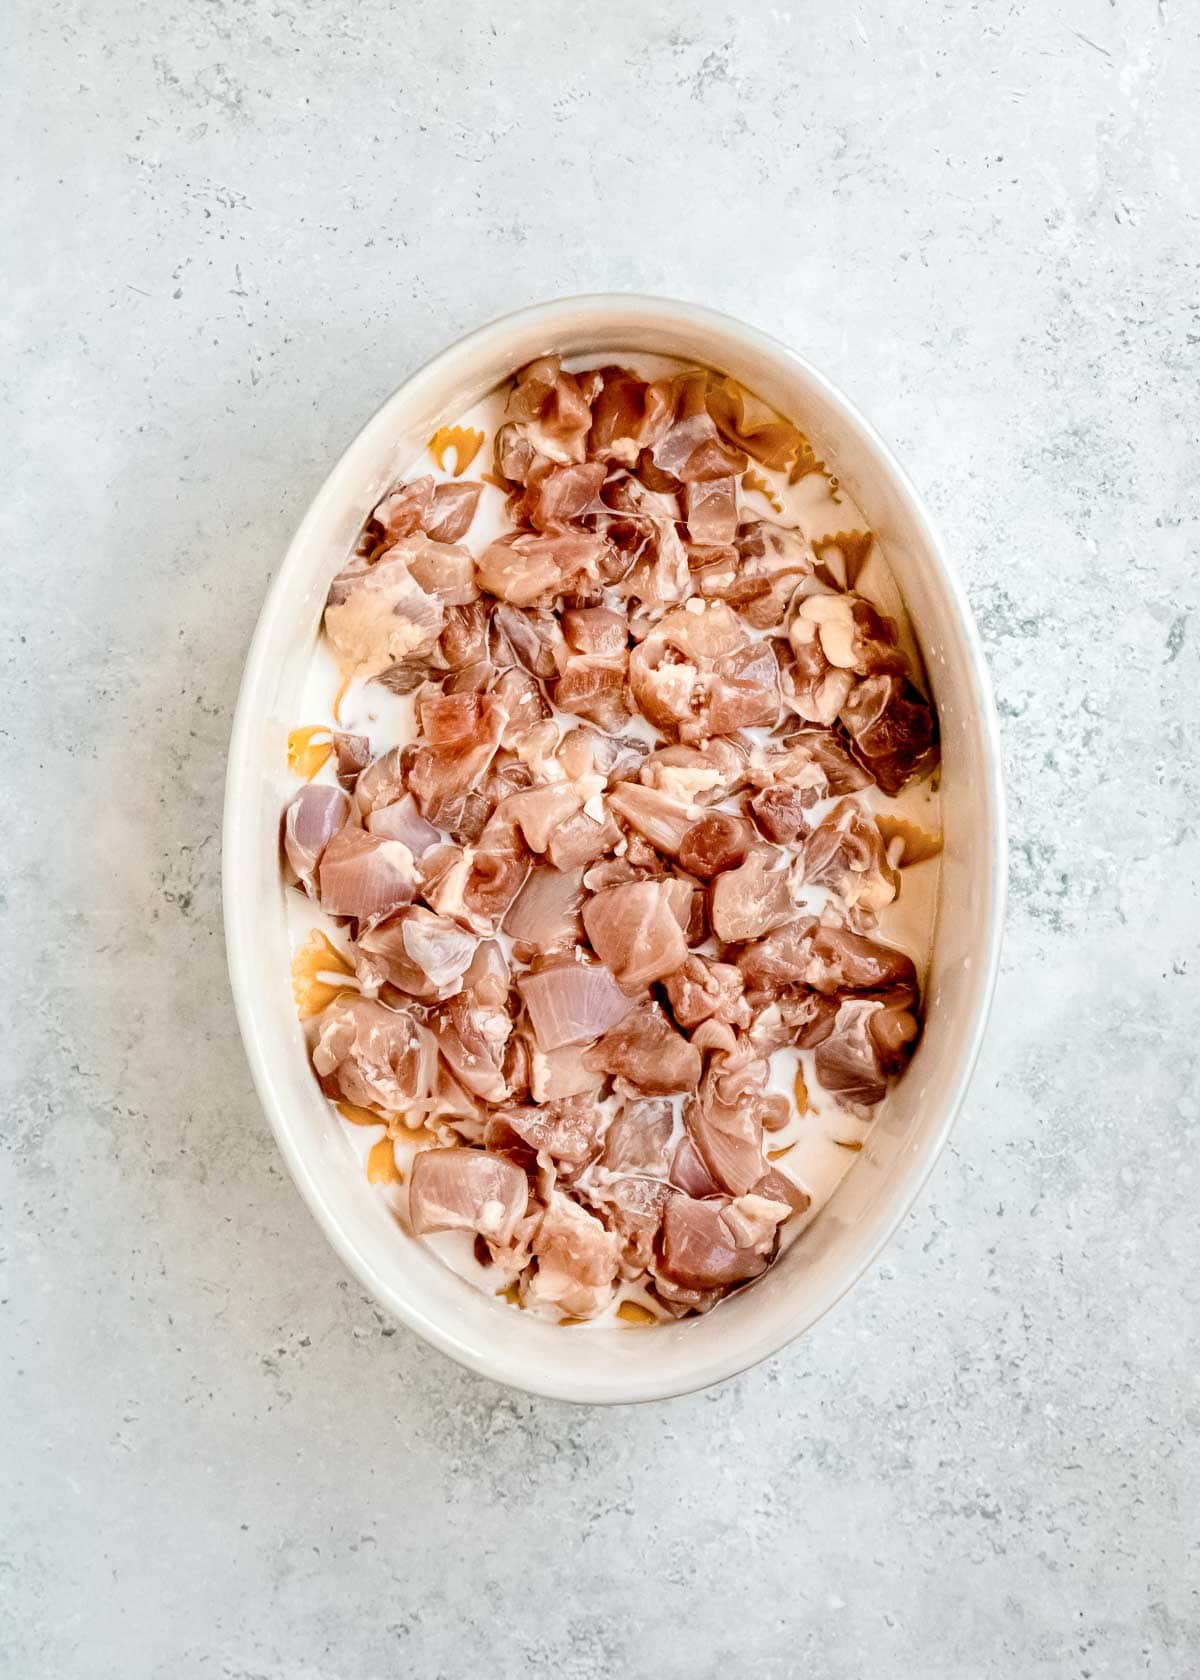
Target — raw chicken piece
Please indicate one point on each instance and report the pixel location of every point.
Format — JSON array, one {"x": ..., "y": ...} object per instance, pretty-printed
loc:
[
  {"x": 628, "y": 415},
  {"x": 375, "y": 1057},
  {"x": 381, "y": 782},
  {"x": 725, "y": 1124},
  {"x": 416, "y": 951},
  {"x": 545, "y": 913},
  {"x": 751, "y": 900},
  {"x": 635, "y": 931},
  {"x": 753, "y": 1219},
  {"x": 594, "y": 689},
  {"x": 779, "y": 812},
  {"x": 704, "y": 774},
  {"x": 540, "y": 811},
  {"x": 703, "y": 990},
  {"x": 438, "y": 947},
  {"x": 531, "y": 639},
  {"x": 846, "y": 853},
  {"x": 718, "y": 841},
  {"x": 638, "y": 1140},
  {"x": 596, "y": 630},
  {"x": 452, "y": 510},
  {"x": 712, "y": 512},
  {"x": 555, "y": 1075},
  {"x": 520, "y": 569},
  {"x": 657, "y": 817},
  {"x": 783, "y": 958},
  {"x": 472, "y": 1037},
  {"x": 580, "y": 840},
  {"x": 892, "y": 730},
  {"x": 467, "y": 1190},
  {"x": 632, "y": 1206},
  {"x": 699, "y": 1249},
  {"x": 401, "y": 820},
  {"x": 365, "y": 876},
  {"x": 351, "y": 753},
  {"x": 556, "y": 495},
  {"x": 550, "y": 411},
  {"x": 462, "y": 732},
  {"x": 577, "y": 1260},
  {"x": 379, "y": 616},
  {"x": 648, "y": 1054},
  {"x": 569, "y": 1130},
  {"x": 446, "y": 570},
  {"x": 405, "y": 509},
  {"x": 692, "y": 448},
  {"x": 310, "y": 822},
  {"x": 844, "y": 961},
  {"x": 697, "y": 674},
  {"x": 688, "y": 1172},
  {"x": 572, "y": 1003},
  {"x": 846, "y": 1063}
]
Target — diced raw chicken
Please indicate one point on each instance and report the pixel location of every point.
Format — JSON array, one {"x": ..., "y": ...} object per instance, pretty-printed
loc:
[
  {"x": 310, "y": 822},
  {"x": 752, "y": 1220},
  {"x": 472, "y": 1037},
  {"x": 638, "y": 1139},
  {"x": 351, "y": 753},
  {"x": 648, "y": 1054},
  {"x": 555, "y": 1075},
  {"x": 633, "y": 578},
  {"x": 701, "y": 990},
  {"x": 632, "y": 1206},
  {"x": 628, "y": 415},
  {"x": 845, "y": 961},
  {"x": 401, "y": 820},
  {"x": 749, "y": 901},
  {"x": 634, "y": 930},
  {"x": 692, "y": 448},
  {"x": 466, "y": 1190},
  {"x": 375, "y": 618},
  {"x": 594, "y": 689},
  {"x": 662, "y": 820},
  {"x": 783, "y": 958},
  {"x": 845, "y": 852},
  {"x": 892, "y": 730},
  {"x": 699, "y": 1249},
  {"x": 550, "y": 411},
  {"x": 559, "y": 494},
  {"x": 580, "y": 840},
  {"x": 712, "y": 511},
  {"x": 577, "y": 1260},
  {"x": 688, "y": 1172},
  {"x": 568, "y": 1130},
  {"x": 452, "y": 510},
  {"x": 463, "y": 732},
  {"x": 596, "y": 630},
  {"x": 375, "y": 1057},
  {"x": 716, "y": 842},
  {"x": 446, "y": 570},
  {"x": 572, "y": 1003},
  {"x": 533, "y": 640},
  {"x": 540, "y": 811},
  {"x": 365, "y": 875},
  {"x": 545, "y": 913},
  {"x": 405, "y": 509},
  {"x": 725, "y": 1124}
]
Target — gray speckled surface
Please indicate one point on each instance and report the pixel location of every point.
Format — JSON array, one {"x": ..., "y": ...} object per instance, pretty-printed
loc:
[{"x": 236, "y": 228}]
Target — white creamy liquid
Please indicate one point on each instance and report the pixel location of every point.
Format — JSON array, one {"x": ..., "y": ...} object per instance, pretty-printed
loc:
[{"x": 818, "y": 1147}]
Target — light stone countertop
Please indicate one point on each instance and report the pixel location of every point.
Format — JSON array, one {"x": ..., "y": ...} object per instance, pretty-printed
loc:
[{"x": 236, "y": 227}]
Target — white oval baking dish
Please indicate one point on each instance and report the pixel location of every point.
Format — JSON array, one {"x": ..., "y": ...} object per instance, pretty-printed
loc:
[{"x": 403, "y": 1275}]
